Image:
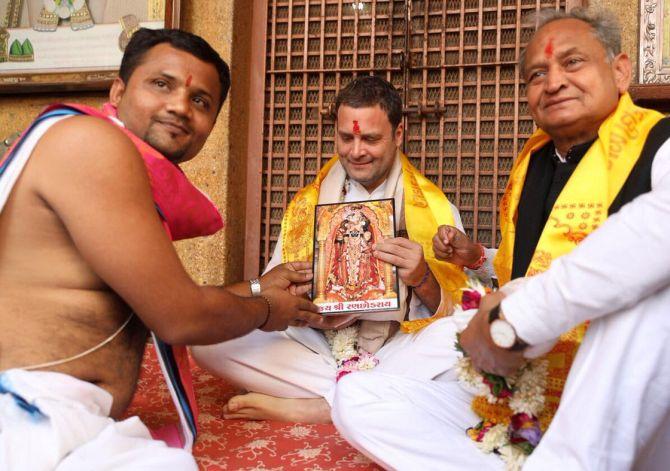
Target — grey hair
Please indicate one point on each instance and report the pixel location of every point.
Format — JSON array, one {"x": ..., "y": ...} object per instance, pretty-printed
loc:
[{"x": 604, "y": 24}]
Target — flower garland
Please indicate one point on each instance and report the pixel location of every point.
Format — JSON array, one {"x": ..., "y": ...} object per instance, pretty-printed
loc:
[
  {"x": 349, "y": 358},
  {"x": 523, "y": 391}
]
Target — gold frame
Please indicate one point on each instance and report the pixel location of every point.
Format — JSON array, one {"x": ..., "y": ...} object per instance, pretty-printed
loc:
[
  {"x": 654, "y": 32},
  {"x": 86, "y": 80}
]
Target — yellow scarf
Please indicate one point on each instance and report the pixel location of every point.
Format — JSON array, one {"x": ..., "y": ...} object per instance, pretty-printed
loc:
[
  {"x": 580, "y": 208},
  {"x": 426, "y": 208}
]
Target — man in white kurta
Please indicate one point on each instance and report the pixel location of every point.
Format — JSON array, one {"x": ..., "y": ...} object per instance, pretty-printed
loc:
[
  {"x": 279, "y": 368},
  {"x": 615, "y": 408}
]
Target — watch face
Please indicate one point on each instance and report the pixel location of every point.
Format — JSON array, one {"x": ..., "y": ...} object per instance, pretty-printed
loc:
[{"x": 502, "y": 333}]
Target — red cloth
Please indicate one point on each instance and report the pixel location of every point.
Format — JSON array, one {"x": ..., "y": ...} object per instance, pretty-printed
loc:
[
  {"x": 242, "y": 444},
  {"x": 186, "y": 210}
]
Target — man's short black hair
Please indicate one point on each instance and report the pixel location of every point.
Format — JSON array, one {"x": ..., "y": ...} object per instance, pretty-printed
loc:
[
  {"x": 368, "y": 91},
  {"x": 145, "y": 39}
]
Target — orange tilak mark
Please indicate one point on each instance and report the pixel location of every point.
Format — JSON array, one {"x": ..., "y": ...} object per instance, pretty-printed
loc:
[
  {"x": 188, "y": 80},
  {"x": 357, "y": 128},
  {"x": 549, "y": 49}
]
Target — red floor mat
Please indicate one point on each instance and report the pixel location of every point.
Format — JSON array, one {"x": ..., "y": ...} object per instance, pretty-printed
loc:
[{"x": 241, "y": 444}]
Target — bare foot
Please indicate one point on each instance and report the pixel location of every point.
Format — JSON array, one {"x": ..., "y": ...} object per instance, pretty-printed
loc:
[{"x": 255, "y": 406}]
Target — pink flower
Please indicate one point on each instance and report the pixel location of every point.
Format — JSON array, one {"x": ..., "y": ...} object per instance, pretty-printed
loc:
[
  {"x": 470, "y": 299},
  {"x": 362, "y": 361},
  {"x": 341, "y": 374},
  {"x": 485, "y": 429},
  {"x": 350, "y": 362}
]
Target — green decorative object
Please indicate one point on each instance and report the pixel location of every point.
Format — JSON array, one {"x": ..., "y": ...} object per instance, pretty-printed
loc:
[
  {"x": 21, "y": 52},
  {"x": 27, "y": 48},
  {"x": 15, "y": 49}
]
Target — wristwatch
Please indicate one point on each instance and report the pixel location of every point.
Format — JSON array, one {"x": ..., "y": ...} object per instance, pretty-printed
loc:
[
  {"x": 255, "y": 286},
  {"x": 503, "y": 333}
]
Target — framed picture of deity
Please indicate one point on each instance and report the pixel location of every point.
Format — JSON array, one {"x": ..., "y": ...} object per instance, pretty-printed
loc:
[
  {"x": 654, "y": 41},
  {"x": 62, "y": 45},
  {"x": 347, "y": 276}
]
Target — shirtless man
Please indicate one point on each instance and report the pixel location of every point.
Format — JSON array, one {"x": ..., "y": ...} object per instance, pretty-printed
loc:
[{"x": 82, "y": 247}]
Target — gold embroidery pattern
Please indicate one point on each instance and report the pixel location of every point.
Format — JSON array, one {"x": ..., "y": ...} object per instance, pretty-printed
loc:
[
  {"x": 156, "y": 10},
  {"x": 623, "y": 131},
  {"x": 418, "y": 199},
  {"x": 539, "y": 263},
  {"x": 298, "y": 240},
  {"x": 505, "y": 205},
  {"x": 576, "y": 221},
  {"x": 13, "y": 14}
]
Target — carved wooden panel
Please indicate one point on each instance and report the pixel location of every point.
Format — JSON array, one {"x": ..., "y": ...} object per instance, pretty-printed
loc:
[{"x": 455, "y": 64}]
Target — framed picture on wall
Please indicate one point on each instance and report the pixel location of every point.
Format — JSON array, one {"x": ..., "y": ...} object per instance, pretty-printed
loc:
[
  {"x": 61, "y": 45},
  {"x": 655, "y": 41}
]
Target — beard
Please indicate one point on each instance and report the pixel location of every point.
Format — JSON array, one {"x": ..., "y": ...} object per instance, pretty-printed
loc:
[{"x": 173, "y": 153}]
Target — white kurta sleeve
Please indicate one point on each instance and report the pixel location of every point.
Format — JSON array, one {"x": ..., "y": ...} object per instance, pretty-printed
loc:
[{"x": 620, "y": 263}]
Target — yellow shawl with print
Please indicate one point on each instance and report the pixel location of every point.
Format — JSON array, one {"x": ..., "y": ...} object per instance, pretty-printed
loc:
[
  {"x": 580, "y": 208},
  {"x": 425, "y": 206}
]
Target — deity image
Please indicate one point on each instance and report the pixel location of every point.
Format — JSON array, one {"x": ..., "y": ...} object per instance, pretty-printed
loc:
[
  {"x": 40, "y": 32},
  {"x": 48, "y": 15},
  {"x": 52, "y": 12},
  {"x": 347, "y": 275},
  {"x": 354, "y": 271}
]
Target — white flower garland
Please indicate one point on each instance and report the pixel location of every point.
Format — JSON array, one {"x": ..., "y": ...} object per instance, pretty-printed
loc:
[
  {"x": 343, "y": 342},
  {"x": 493, "y": 439},
  {"x": 523, "y": 391},
  {"x": 513, "y": 456},
  {"x": 344, "y": 347},
  {"x": 527, "y": 385}
]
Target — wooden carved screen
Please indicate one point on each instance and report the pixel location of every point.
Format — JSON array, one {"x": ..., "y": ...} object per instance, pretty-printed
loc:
[{"x": 455, "y": 64}]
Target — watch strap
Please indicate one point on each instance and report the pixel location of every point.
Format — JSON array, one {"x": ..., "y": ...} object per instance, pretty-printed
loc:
[{"x": 494, "y": 313}]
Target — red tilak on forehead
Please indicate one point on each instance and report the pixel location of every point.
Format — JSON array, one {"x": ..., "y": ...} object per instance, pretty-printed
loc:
[
  {"x": 357, "y": 128},
  {"x": 188, "y": 80},
  {"x": 549, "y": 49}
]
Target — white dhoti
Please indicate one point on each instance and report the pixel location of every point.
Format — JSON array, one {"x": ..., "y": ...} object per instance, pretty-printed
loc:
[
  {"x": 298, "y": 363},
  {"x": 614, "y": 413},
  {"x": 54, "y": 421},
  {"x": 408, "y": 424}
]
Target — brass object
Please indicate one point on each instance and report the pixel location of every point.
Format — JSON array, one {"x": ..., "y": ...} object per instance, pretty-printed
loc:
[{"x": 129, "y": 24}]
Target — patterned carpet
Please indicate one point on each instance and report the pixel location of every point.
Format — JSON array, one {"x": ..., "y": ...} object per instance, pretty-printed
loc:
[{"x": 240, "y": 444}]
